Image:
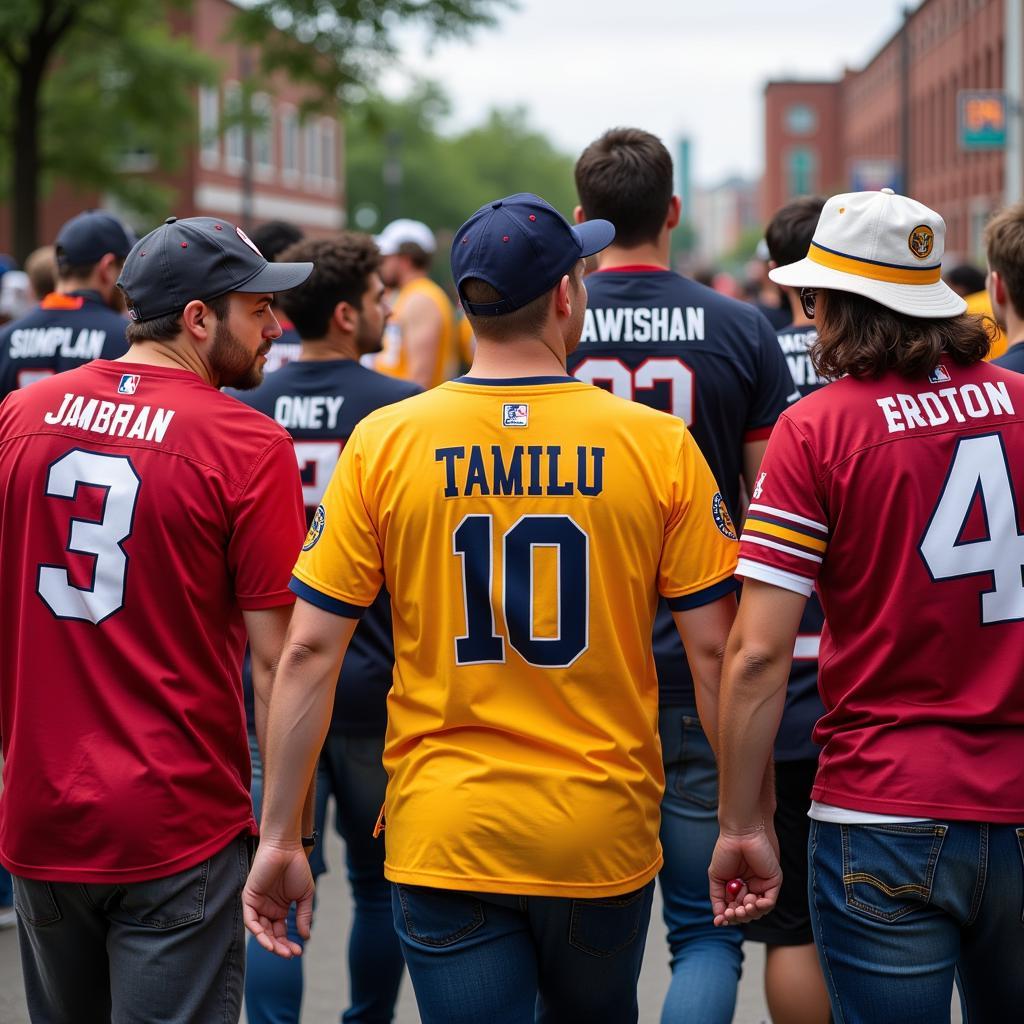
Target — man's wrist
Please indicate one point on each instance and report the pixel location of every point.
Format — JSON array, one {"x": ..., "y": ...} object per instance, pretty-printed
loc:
[{"x": 740, "y": 828}]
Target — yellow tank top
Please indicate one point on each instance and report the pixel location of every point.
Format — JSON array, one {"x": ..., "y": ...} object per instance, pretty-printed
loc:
[
  {"x": 524, "y": 530},
  {"x": 393, "y": 359}
]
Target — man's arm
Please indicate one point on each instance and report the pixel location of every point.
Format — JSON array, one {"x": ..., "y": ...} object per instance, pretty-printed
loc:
[
  {"x": 422, "y": 326},
  {"x": 757, "y": 663},
  {"x": 704, "y": 632},
  {"x": 753, "y": 453},
  {"x": 266, "y": 628},
  {"x": 298, "y": 719}
]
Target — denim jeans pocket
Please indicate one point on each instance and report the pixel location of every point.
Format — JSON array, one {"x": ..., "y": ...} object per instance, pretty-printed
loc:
[
  {"x": 35, "y": 903},
  {"x": 604, "y": 927},
  {"x": 888, "y": 869},
  {"x": 170, "y": 902},
  {"x": 694, "y": 777},
  {"x": 439, "y": 917}
]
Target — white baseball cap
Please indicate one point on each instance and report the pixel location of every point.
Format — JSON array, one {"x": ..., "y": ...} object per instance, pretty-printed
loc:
[
  {"x": 880, "y": 245},
  {"x": 405, "y": 232}
]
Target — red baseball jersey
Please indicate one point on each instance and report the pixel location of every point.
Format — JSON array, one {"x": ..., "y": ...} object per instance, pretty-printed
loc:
[
  {"x": 141, "y": 511},
  {"x": 901, "y": 499}
]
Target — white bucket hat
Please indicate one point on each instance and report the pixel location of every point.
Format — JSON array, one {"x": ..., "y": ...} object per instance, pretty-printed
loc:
[
  {"x": 880, "y": 245},
  {"x": 402, "y": 232}
]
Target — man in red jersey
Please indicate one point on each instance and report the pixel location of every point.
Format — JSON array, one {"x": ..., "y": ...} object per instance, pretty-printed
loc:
[
  {"x": 895, "y": 490},
  {"x": 148, "y": 524}
]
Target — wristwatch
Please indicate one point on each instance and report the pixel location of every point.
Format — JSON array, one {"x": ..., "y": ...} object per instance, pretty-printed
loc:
[{"x": 308, "y": 842}]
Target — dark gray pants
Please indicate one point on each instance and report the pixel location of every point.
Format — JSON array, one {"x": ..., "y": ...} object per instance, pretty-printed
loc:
[{"x": 167, "y": 951}]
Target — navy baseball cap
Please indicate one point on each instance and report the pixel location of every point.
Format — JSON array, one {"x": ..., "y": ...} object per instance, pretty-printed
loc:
[
  {"x": 522, "y": 247},
  {"x": 89, "y": 236},
  {"x": 198, "y": 258}
]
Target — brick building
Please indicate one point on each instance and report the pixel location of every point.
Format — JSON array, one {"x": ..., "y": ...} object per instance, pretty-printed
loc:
[
  {"x": 296, "y": 170},
  {"x": 894, "y": 122}
]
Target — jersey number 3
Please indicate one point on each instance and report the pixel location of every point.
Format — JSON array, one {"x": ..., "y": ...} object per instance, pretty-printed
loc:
[
  {"x": 473, "y": 542},
  {"x": 979, "y": 472},
  {"x": 102, "y": 539}
]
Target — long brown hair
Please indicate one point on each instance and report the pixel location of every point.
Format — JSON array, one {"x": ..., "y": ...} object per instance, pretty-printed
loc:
[{"x": 859, "y": 337}]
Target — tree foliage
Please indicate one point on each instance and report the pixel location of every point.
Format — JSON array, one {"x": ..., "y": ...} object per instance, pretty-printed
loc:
[{"x": 444, "y": 177}]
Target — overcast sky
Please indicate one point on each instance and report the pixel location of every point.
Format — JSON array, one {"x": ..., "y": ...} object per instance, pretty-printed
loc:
[{"x": 674, "y": 67}]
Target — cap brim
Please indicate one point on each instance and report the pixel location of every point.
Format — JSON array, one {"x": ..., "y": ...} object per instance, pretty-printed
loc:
[
  {"x": 277, "y": 277},
  {"x": 594, "y": 235},
  {"x": 931, "y": 301}
]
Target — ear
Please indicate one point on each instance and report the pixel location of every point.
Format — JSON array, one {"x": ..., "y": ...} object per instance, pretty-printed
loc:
[
  {"x": 675, "y": 212},
  {"x": 198, "y": 319},
  {"x": 563, "y": 299},
  {"x": 772, "y": 264},
  {"x": 997, "y": 287},
  {"x": 108, "y": 266},
  {"x": 345, "y": 316},
  {"x": 578, "y": 215}
]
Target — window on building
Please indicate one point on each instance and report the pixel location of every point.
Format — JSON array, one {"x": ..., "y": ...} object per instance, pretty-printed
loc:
[
  {"x": 289, "y": 143},
  {"x": 263, "y": 134},
  {"x": 234, "y": 137},
  {"x": 311, "y": 131},
  {"x": 801, "y": 119},
  {"x": 328, "y": 152},
  {"x": 209, "y": 125},
  {"x": 801, "y": 172}
]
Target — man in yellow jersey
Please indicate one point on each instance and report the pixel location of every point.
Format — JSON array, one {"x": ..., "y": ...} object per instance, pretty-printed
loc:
[
  {"x": 420, "y": 340},
  {"x": 524, "y": 523}
]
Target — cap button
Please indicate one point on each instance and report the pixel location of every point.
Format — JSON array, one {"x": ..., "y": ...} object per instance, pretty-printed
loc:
[
  {"x": 495, "y": 204},
  {"x": 170, "y": 220},
  {"x": 888, "y": 191}
]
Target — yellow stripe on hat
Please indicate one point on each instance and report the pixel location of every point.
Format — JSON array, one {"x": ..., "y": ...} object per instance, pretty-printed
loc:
[{"x": 876, "y": 271}]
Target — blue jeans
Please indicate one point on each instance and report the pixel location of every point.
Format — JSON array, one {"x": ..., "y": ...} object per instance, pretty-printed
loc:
[
  {"x": 706, "y": 960},
  {"x": 505, "y": 959},
  {"x": 901, "y": 910},
  {"x": 350, "y": 769}
]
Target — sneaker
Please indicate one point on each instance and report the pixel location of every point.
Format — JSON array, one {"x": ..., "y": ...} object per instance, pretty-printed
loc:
[{"x": 8, "y": 918}]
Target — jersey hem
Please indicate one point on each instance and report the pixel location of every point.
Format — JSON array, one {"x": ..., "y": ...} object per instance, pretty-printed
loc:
[
  {"x": 703, "y": 597},
  {"x": 907, "y": 808},
  {"x": 525, "y": 887},
  {"x": 104, "y": 876},
  {"x": 751, "y": 569},
  {"x": 758, "y": 434},
  {"x": 704, "y": 585},
  {"x": 324, "y": 591},
  {"x": 325, "y": 601},
  {"x": 258, "y": 601}
]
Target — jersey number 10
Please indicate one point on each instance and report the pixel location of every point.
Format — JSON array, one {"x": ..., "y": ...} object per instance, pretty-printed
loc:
[{"x": 473, "y": 543}]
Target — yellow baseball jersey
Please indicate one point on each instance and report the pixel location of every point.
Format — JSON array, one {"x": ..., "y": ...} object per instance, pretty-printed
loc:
[
  {"x": 524, "y": 530},
  {"x": 393, "y": 358},
  {"x": 979, "y": 304}
]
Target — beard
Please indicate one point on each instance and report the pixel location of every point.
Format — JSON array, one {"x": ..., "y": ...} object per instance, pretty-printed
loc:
[
  {"x": 368, "y": 339},
  {"x": 234, "y": 365}
]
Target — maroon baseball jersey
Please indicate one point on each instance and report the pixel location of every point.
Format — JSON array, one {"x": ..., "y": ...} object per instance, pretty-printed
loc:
[
  {"x": 901, "y": 499},
  {"x": 141, "y": 511}
]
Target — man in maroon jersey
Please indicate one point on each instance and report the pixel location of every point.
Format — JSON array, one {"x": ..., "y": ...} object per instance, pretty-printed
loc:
[
  {"x": 148, "y": 524},
  {"x": 896, "y": 491}
]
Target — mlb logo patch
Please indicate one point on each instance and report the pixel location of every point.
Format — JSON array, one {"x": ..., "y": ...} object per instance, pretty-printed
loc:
[
  {"x": 129, "y": 384},
  {"x": 515, "y": 415},
  {"x": 940, "y": 375}
]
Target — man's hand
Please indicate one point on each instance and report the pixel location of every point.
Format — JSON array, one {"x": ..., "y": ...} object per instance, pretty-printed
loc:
[
  {"x": 279, "y": 876},
  {"x": 751, "y": 858}
]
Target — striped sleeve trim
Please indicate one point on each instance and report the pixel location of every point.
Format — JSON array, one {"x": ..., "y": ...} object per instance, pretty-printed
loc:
[
  {"x": 325, "y": 601},
  {"x": 785, "y": 531},
  {"x": 752, "y": 570}
]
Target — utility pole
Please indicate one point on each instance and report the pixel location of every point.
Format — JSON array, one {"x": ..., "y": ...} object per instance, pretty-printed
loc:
[
  {"x": 245, "y": 67},
  {"x": 1012, "y": 29},
  {"x": 905, "y": 102}
]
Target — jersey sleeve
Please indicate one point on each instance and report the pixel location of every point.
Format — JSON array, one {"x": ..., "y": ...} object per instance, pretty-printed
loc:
[
  {"x": 774, "y": 389},
  {"x": 340, "y": 568},
  {"x": 267, "y": 530},
  {"x": 785, "y": 534},
  {"x": 698, "y": 555}
]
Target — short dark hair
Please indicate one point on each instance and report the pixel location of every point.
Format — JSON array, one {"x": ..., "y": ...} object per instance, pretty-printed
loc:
[
  {"x": 275, "y": 236},
  {"x": 1004, "y": 246},
  {"x": 167, "y": 328},
  {"x": 966, "y": 279},
  {"x": 791, "y": 229},
  {"x": 416, "y": 254},
  {"x": 864, "y": 339},
  {"x": 625, "y": 176},
  {"x": 528, "y": 319},
  {"x": 341, "y": 266}
]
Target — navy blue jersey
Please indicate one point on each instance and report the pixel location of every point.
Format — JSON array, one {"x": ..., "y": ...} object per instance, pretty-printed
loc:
[
  {"x": 1012, "y": 359},
  {"x": 319, "y": 403},
  {"x": 62, "y": 332},
  {"x": 673, "y": 344},
  {"x": 803, "y": 704},
  {"x": 285, "y": 349}
]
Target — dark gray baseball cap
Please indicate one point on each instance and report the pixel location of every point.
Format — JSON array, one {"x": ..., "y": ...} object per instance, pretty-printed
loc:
[
  {"x": 198, "y": 258},
  {"x": 89, "y": 236}
]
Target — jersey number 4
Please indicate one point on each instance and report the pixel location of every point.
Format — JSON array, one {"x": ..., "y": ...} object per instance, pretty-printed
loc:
[
  {"x": 101, "y": 539},
  {"x": 473, "y": 542},
  {"x": 979, "y": 472}
]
